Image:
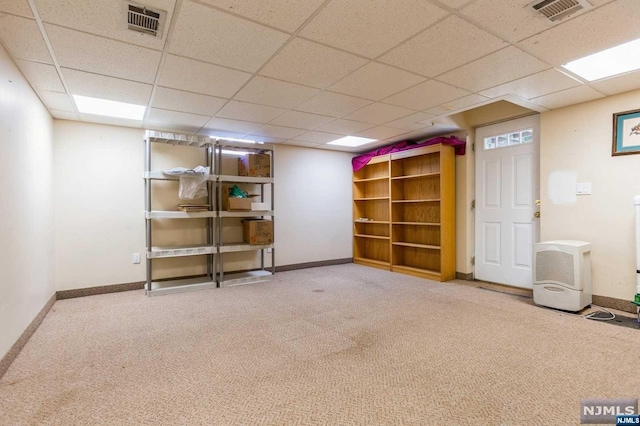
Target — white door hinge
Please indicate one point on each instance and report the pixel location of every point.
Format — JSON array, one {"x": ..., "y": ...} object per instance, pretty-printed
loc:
[
  {"x": 473, "y": 260},
  {"x": 473, "y": 204}
]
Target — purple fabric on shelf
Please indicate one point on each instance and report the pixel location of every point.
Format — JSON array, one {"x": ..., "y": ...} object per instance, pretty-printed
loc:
[{"x": 362, "y": 160}]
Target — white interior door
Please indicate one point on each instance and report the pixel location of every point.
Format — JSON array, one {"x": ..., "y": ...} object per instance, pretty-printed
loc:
[{"x": 507, "y": 187}]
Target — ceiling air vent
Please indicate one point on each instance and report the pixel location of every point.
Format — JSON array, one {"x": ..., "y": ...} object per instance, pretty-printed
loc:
[
  {"x": 145, "y": 20},
  {"x": 555, "y": 10}
]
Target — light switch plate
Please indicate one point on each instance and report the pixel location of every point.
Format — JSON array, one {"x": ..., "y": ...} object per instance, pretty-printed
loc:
[{"x": 583, "y": 188}]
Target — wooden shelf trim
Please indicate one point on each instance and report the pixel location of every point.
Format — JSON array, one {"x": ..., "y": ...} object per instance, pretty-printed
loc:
[
  {"x": 372, "y": 221},
  {"x": 424, "y": 246},
  {"x": 379, "y": 237},
  {"x": 371, "y": 199},
  {"x": 374, "y": 261},
  {"x": 416, "y": 223},
  {"x": 432, "y": 200},
  {"x": 371, "y": 179},
  {"x": 423, "y": 175}
]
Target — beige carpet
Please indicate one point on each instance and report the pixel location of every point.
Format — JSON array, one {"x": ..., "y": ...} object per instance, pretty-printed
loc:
[{"x": 335, "y": 345}]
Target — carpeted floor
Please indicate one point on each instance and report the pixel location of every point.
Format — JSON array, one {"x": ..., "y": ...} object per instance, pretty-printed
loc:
[{"x": 334, "y": 345}]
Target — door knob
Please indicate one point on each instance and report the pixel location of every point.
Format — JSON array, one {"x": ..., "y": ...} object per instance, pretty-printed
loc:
[
  {"x": 536, "y": 214},
  {"x": 537, "y": 202}
]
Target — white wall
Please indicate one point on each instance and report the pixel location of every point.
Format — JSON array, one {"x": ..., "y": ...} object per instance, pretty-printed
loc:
[
  {"x": 576, "y": 146},
  {"x": 98, "y": 189},
  {"x": 314, "y": 219},
  {"x": 26, "y": 214},
  {"x": 99, "y": 203}
]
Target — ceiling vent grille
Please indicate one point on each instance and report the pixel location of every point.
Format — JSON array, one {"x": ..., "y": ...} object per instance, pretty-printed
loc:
[
  {"x": 145, "y": 20},
  {"x": 555, "y": 10}
]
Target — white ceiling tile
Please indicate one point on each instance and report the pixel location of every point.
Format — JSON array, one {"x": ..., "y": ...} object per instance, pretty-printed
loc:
[
  {"x": 355, "y": 25},
  {"x": 284, "y": 14},
  {"x": 63, "y": 115},
  {"x": 194, "y": 103},
  {"x": 174, "y": 119},
  {"x": 440, "y": 41},
  {"x": 620, "y": 84},
  {"x": 301, "y": 120},
  {"x": 608, "y": 26},
  {"x": 277, "y": 132},
  {"x": 455, "y": 4},
  {"x": 300, "y": 143},
  {"x": 16, "y": 7},
  {"x": 311, "y": 64},
  {"x": 339, "y": 148},
  {"x": 376, "y": 81},
  {"x": 381, "y": 133},
  {"x": 410, "y": 122},
  {"x": 535, "y": 85},
  {"x": 497, "y": 68},
  {"x": 41, "y": 76},
  {"x": 221, "y": 134},
  {"x": 318, "y": 137},
  {"x": 104, "y": 18},
  {"x": 512, "y": 20},
  {"x": 457, "y": 104},
  {"x": 99, "y": 86},
  {"x": 194, "y": 76},
  {"x": 250, "y": 112},
  {"x": 345, "y": 127},
  {"x": 227, "y": 40},
  {"x": 235, "y": 126},
  {"x": 572, "y": 96},
  {"x": 22, "y": 38},
  {"x": 267, "y": 91},
  {"x": 333, "y": 104},
  {"x": 117, "y": 59},
  {"x": 56, "y": 100},
  {"x": 425, "y": 95},
  {"x": 112, "y": 121},
  {"x": 379, "y": 113}
]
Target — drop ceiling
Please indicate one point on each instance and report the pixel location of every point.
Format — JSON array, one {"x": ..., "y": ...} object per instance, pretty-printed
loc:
[{"x": 309, "y": 72}]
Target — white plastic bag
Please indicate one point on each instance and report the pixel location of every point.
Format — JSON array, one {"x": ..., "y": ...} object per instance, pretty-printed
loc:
[{"x": 193, "y": 182}]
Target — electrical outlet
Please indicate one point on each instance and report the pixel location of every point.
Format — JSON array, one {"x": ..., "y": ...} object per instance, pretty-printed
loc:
[{"x": 136, "y": 257}]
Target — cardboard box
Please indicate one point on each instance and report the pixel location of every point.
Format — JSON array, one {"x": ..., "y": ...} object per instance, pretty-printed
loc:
[
  {"x": 254, "y": 165},
  {"x": 257, "y": 231},
  {"x": 233, "y": 203}
]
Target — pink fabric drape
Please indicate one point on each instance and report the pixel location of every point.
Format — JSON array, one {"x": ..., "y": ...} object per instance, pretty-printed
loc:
[{"x": 362, "y": 160}]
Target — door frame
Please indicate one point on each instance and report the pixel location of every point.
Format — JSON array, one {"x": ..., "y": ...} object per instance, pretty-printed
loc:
[{"x": 475, "y": 143}]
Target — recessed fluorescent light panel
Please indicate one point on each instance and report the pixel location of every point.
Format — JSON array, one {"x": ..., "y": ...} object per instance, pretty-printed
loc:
[
  {"x": 95, "y": 106},
  {"x": 351, "y": 141},
  {"x": 610, "y": 62},
  {"x": 223, "y": 138},
  {"x": 231, "y": 152}
]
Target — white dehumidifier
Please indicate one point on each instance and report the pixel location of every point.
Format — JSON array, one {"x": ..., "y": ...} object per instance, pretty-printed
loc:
[{"x": 562, "y": 274}]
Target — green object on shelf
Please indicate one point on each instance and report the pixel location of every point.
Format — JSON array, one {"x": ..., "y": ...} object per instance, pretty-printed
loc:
[{"x": 236, "y": 192}]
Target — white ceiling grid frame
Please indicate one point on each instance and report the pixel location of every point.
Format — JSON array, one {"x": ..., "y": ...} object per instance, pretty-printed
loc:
[
  {"x": 376, "y": 81},
  {"x": 355, "y": 25},
  {"x": 301, "y": 120},
  {"x": 193, "y": 103},
  {"x": 426, "y": 95},
  {"x": 269, "y": 12},
  {"x": 494, "y": 69},
  {"x": 30, "y": 45},
  {"x": 41, "y": 76},
  {"x": 209, "y": 35},
  {"x": 534, "y": 85},
  {"x": 584, "y": 35},
  {"x": 99, "y": 86},
  {"x": 270, "y": 92},
  {"x": 451, "y": 34},
  {"x": 74, "y": 49},
  {"x": 379, "y": 113},
  {"x": 103, "y": 18}
]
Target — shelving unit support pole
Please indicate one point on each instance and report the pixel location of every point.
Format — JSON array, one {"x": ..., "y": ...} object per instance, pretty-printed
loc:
[{"x": 147, "y": 206}]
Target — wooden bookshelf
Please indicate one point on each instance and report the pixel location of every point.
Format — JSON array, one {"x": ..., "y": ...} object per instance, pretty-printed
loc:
[{"x": 409, "y": 198}]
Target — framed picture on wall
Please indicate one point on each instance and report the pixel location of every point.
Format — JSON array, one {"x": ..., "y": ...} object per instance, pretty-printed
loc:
[{"x": 626, "y": 133}]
